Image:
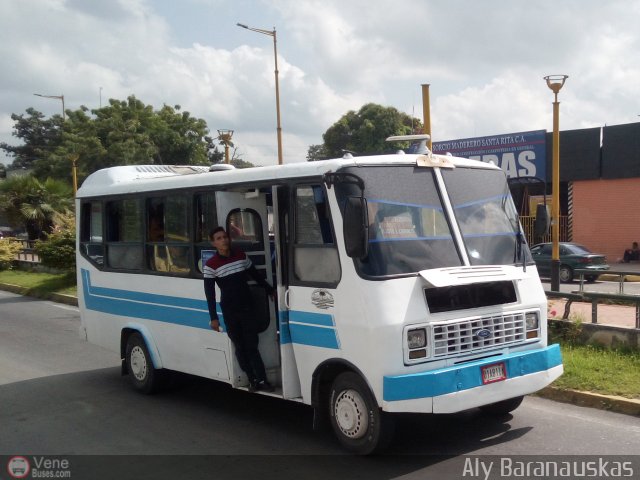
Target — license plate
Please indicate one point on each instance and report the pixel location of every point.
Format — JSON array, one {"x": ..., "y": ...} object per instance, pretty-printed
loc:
[{"x": 493, "y": 373}]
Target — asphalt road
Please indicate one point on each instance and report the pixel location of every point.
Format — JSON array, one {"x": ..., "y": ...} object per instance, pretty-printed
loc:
[{"x": 62, "y": 396}]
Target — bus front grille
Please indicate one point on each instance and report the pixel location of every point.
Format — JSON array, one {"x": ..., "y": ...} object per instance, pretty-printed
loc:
[{"x": 478, "y": 334}]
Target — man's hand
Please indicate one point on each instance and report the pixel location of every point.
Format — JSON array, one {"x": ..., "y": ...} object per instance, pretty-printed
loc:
[{"x": 215, "y": 325}]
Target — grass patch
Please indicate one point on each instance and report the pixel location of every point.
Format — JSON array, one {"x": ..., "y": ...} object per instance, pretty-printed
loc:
[
  {"x": 600, "y": 370},
  {"x": 41, "y": 284}
]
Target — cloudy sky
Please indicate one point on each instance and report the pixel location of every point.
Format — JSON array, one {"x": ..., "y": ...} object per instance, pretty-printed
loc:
[{"x": 484, "y": 61}]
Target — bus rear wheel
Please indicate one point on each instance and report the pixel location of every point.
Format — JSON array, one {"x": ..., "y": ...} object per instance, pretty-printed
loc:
[
  {"x": 503, "y": 407},
  {"x": 361, "y": 427},
  {"x": 144, "y": 377}
]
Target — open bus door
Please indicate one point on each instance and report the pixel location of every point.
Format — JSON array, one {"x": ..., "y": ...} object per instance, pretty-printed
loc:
[
  {"x": 245, "y": 217},
  {"x": 281, "y": 218}
]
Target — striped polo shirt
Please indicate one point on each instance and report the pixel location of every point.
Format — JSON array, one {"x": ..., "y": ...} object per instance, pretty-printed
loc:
[{"x": 230, "y": 273}]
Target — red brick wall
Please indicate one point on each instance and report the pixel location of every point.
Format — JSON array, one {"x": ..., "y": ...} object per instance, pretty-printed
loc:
[{"x": 606, "y": 215}]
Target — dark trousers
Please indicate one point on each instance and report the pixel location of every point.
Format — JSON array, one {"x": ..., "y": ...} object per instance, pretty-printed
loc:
[{"x": 242, "y": 329}]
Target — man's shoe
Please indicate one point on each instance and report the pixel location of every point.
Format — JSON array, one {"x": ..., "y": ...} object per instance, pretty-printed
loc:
[
  {"x": 266, "y": 386},
  {"x": 262, "y": 386}
]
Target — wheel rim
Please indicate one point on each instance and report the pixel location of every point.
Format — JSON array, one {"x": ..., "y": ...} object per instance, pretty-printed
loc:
[
  {"x": 138, "y": 363},
  {"x": 350, "y": 411},
  {"x": 565, "y": 274}
]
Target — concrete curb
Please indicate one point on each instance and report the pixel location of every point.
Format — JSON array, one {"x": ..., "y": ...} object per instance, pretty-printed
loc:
[
  {"x": 584, "y": 399},
  {"x": 54, "y": 297},
  {"x": 611, "y": 403},
  {"x": 607, "y": 277}
]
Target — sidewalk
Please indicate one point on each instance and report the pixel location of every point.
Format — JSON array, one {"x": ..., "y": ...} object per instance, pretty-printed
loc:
[{"x": 613, "y": 315}]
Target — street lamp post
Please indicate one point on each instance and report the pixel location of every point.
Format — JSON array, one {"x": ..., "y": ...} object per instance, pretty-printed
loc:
[
  {"x": 272, "y": 33},
  {"x": 57, "y": 97},
  {"x": 75, "y": 156},
  {"x": 555, "y": 83}
]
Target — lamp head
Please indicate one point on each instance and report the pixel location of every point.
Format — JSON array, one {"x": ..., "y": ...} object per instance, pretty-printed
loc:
[
  {"x": 556, "y": 82},
  {"x": 225, "y": 135}
]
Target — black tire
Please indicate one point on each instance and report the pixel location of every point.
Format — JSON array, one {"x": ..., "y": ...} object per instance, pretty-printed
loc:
[
  {"x": 566, "y": 274},
  {"x": 361, "y": 427},
  {"x": 144, "y": 377},
  {"x": 503, "y": 407},
  {"x": 591, "y": 278}
]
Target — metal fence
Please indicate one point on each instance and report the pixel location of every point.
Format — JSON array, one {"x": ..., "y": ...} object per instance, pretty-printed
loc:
[
  {"x": 28, "y": 253},
  {"x": 527, "y": 225}
]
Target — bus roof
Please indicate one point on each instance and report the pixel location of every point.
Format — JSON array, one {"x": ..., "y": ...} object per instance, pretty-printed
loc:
[{"x": 141, "y": 178}]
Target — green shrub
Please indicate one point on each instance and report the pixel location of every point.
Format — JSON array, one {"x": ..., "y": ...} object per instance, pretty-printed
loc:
[
  {"x": 8, "y": 252},
  {"x": 58, "y": 250},
  {"x": 569, "y": 332}
]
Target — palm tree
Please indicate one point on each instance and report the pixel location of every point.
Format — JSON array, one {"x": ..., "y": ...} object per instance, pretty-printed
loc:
[{"x": 33, "y": 204}]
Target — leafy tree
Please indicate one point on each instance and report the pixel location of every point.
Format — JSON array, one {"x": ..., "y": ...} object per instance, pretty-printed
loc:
[
  {"x": 239, "y": 163},
  {"x": 33, "y": 204},
  {"x": 121, "y": 133},
  {"x": 39, "y": 134},
  {"x": 317, "y": 152},
  {"x": 364, "y": 131}
]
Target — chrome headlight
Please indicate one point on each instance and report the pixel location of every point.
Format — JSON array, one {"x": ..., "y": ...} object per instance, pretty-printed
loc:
[
  {"x": 532, "y": 324},
  {"x": 417, "y": 338},
  {"x": 531, "y": 320}
]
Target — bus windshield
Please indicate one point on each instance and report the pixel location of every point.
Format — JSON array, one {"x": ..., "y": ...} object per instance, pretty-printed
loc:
[
  {"x": 487, "y": 217},
  {"x": 409, "y": 230}
]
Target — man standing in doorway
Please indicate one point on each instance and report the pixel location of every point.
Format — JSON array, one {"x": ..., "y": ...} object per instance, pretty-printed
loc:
[{"x": 231, "y": 269}]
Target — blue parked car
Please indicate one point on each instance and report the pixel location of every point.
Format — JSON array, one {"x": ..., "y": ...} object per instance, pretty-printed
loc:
[{"x": 572, "y": 258}]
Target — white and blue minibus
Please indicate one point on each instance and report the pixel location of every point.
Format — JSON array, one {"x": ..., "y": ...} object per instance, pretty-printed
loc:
[{"x": 404, "y": 283}]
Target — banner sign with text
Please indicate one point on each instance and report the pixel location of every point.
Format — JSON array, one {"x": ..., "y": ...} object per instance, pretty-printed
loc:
[{"x": 518, "y": 154}]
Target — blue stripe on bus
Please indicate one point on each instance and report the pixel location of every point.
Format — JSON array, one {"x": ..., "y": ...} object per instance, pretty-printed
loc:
[
  {"x": 403, "y": 204},
  {"x": 463, "y": 377},
  {"x": 405, "y": 239},
  {"x": 314, "y": 336},
  {"x": 150, "y": 298},
  {"x": 194, "y": 313},
  {"x": 285, "y": 333},
  {"x": 147, "y": 306},
  {"x": 311, "y": 318}
]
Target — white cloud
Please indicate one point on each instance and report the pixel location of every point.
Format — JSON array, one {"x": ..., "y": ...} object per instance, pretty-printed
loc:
[{"x": 484, "y": 60}]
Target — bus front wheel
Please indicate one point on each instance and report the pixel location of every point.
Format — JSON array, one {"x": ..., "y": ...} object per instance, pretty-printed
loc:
[
  {"x": 144, "y": 377},
  {"x": 361, "y": 427}
]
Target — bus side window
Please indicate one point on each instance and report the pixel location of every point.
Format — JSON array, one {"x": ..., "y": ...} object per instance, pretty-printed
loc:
[
  {"x": 168, "y": 246},
  {"x": 124, "y": 234},
  {"x": 206, "y": 219},
  {"x": 91, "y": 232},
  {"x": 315, "y": 254}
]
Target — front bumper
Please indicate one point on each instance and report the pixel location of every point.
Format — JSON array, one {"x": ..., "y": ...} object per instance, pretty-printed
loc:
[{"x": 460, "y": 387}]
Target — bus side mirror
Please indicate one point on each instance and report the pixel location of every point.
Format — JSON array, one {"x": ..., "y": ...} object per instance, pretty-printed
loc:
[
  {"x": 356, "y": 227},
  {"x": 542, "y": 222}
]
